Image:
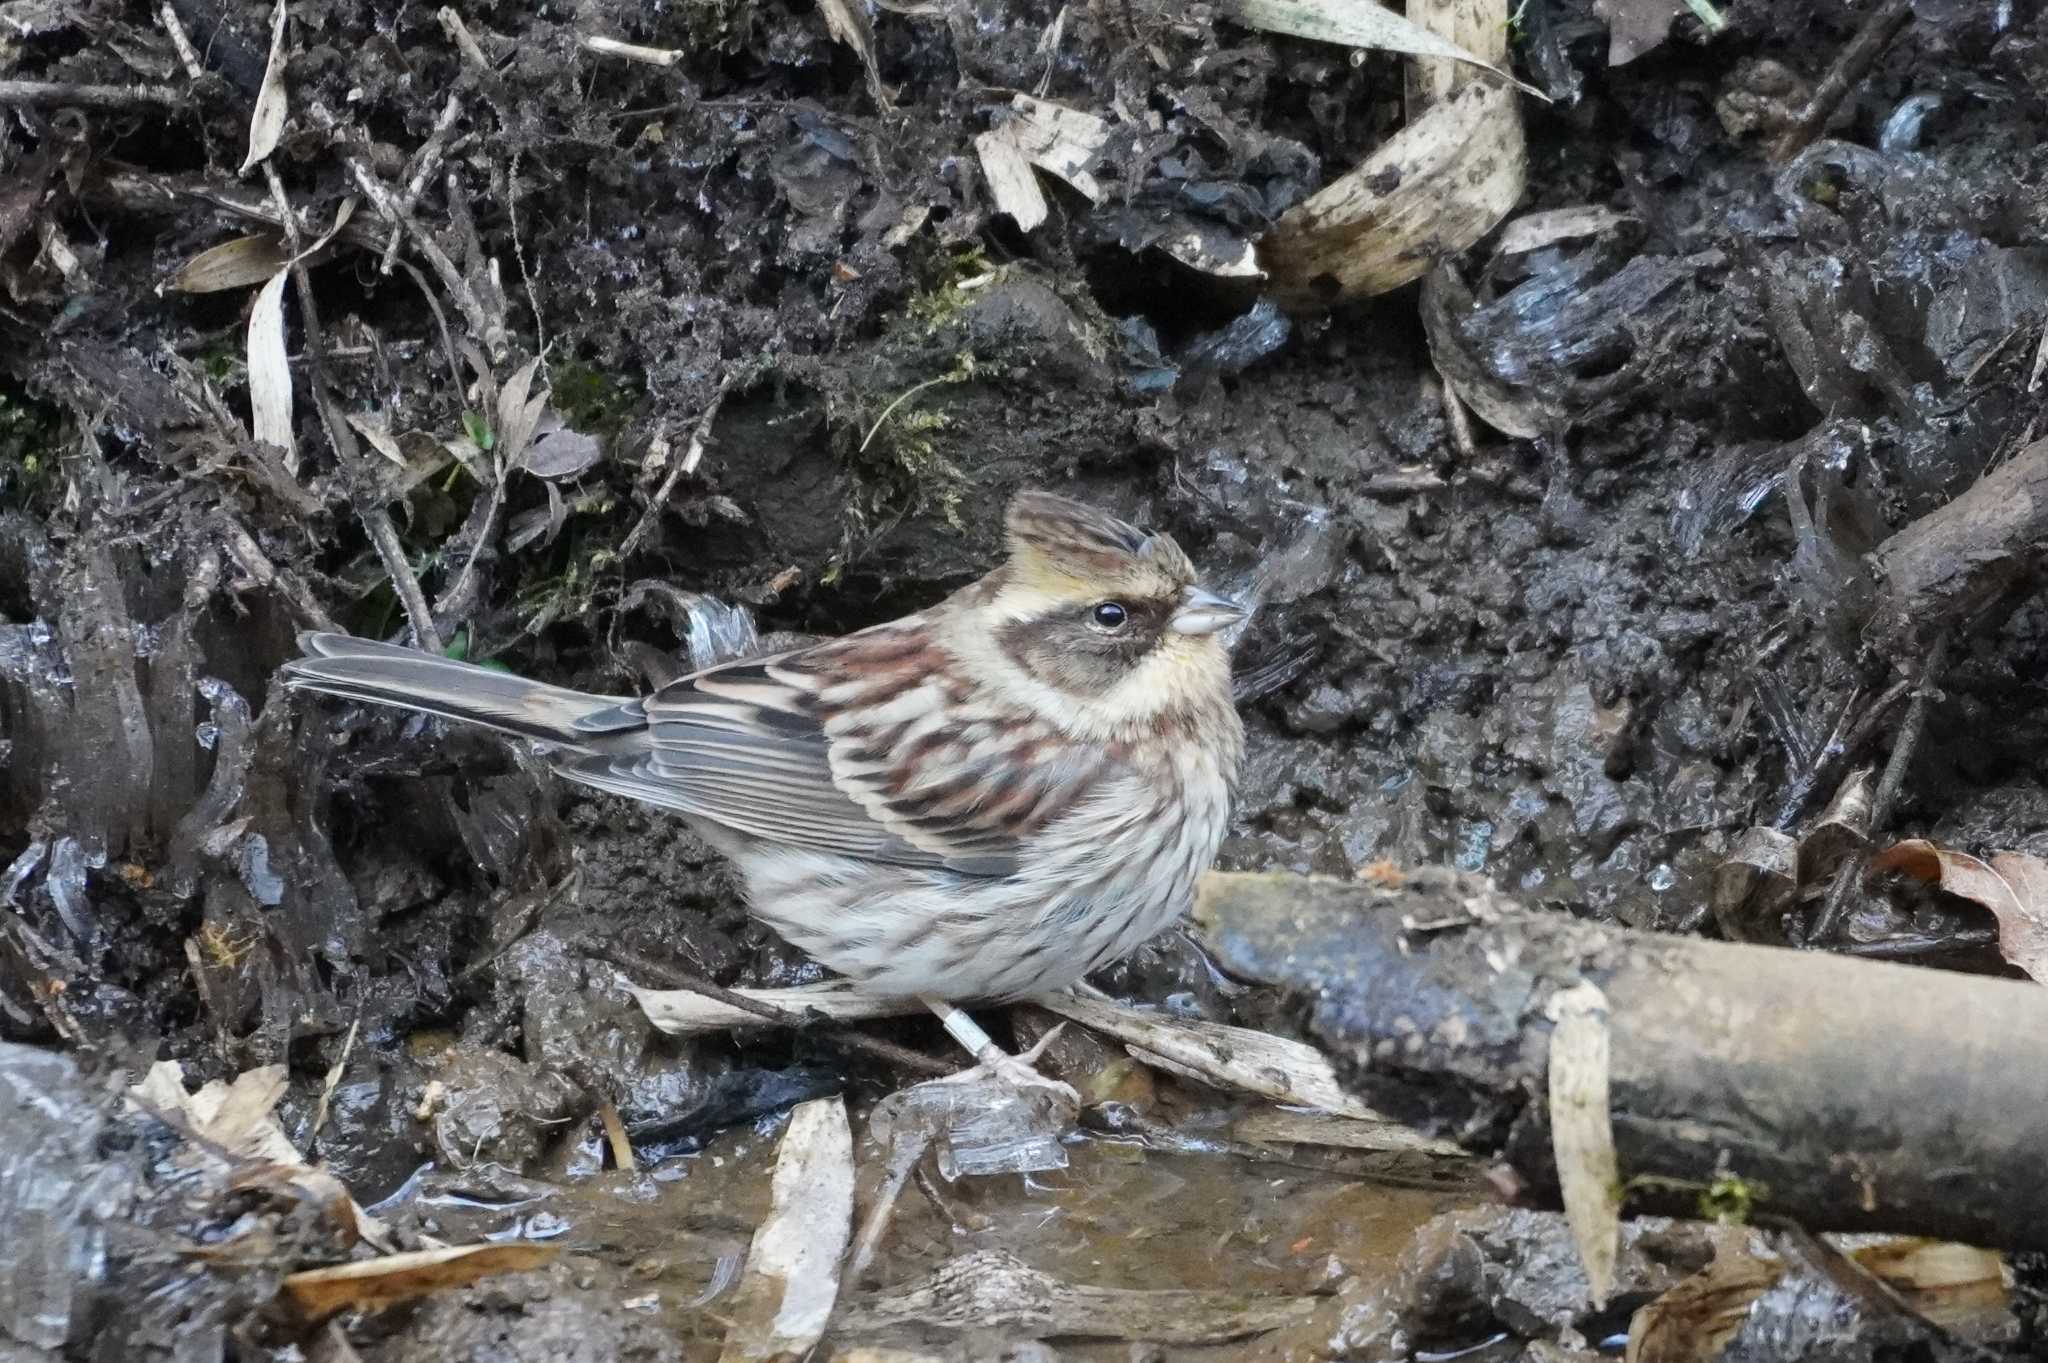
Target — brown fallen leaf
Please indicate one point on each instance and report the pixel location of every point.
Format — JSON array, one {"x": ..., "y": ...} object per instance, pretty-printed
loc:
[
  {"x": 2013, "y": 885},
  {"x": 374, "y": 1284}
]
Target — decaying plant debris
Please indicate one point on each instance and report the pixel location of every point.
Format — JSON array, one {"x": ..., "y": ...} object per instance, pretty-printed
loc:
[{"x": 1628, "y": 413}]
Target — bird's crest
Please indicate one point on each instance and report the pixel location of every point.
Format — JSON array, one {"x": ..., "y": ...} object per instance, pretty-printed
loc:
[{"x": 1053, "y": 537}]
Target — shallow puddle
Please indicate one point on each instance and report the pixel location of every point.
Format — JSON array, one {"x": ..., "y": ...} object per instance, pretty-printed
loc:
[{"x": 1120, "y": 1215}]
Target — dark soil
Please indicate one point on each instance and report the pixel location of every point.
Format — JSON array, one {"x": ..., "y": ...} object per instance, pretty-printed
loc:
[{"x": 1582, "y": 663}]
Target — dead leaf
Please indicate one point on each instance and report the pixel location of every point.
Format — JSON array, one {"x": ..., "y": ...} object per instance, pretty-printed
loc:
[
  {"x": 1755, "y": 885},
  {"x": 1582, "y": 1132},
  {"x": 234, "y": 1121},
  {"x": 270, "y": 372},
  {"x": 558, "y": 452},
  {"x": 847, "y": 20},
  {"x": 266, "y": 124},
  {"x": 374, "y": 430},
  {"x": 375, "y": 1284},
  {"x": 1841, "y": 831},
  {"x": 1360, "y": 23},
  {"x": 1956, "y": 1286},
  {"x": 2013, "y": 885},
  {"x": 233, "y": 264},
  {"x": 1695, "y": 1320},
  {"x": 518, "y": 413}
]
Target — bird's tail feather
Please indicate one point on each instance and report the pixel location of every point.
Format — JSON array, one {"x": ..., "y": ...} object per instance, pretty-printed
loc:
[{"x": 386, "y": 674}]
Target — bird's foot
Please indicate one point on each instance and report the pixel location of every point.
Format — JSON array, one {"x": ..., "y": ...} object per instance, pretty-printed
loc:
[{"x": 1018, "y": 1073}]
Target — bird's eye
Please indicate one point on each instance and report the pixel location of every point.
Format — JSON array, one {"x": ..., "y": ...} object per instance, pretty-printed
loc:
[{"x": 1111, "y": 615}]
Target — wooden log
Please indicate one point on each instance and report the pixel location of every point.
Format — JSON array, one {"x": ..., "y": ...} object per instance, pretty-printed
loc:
[
  {"x": 1962, "y": 557},
  {"x": 1839, "y": 1093}
]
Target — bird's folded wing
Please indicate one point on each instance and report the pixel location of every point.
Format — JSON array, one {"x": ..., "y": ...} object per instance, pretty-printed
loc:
[{"x": 850, "y": 748}]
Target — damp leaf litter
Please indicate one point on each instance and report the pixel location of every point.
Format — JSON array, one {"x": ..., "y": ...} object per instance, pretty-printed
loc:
[{"x": 1626, "y": 416}]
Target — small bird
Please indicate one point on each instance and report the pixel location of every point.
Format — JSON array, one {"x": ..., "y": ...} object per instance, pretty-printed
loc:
[{"x": 985, "y": 800}]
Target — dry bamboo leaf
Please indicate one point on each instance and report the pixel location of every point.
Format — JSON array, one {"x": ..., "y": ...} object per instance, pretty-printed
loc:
[
  {"x": 373, "y": 430},
  {"x": 270, "y": 372},
  {"x": 1582, "y": 1132},
  {"x": 375, "y": 1284},
  {"x": 518, "y": 413},
  {"x": 1010, "y": 181},
  {"x": 1360, "y": 23},
  {"x": 791, "y": 1282},
  {"x": 233, "y": 264},
  {"x": 2012, "y": 885},
  {"x": 847, "y": 20},
  {"x": 266, "y": 124}
]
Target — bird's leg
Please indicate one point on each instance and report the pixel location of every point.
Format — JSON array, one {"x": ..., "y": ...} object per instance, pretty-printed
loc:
[{"x": 1015, "y": 1070}]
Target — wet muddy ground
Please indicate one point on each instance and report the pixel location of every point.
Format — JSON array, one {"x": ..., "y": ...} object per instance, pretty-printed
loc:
[{"x": 812, "y": 362}]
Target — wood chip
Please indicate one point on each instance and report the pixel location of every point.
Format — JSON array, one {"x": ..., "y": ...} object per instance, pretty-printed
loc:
[
  {"x": 1430, "y": 191},
  {"x": 1060, "y": 141},
  {"x": 791, "y": 1282},
  {"x": 1533, "y": 231},
  {"x": 1011, "y": 182}
]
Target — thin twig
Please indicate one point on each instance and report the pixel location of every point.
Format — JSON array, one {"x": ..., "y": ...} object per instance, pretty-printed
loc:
[
  {"x": 425, "y": 162},
  {"x": 490, "y": 334},
  {"x": 465, "y": 41},
  {"x": 1903, "y": 749},
  {"x": 1851, "y": 64},
  {"x": 1909, "y": 946},
  {"x": 341, "y": 437},
  {"x": 334, "y": 1074},
  {"x": 674, "y": 977},
  {"x": 57, "y": 94},
  {"x": 1459, "y": 421},
  {"x": 243, "y": 549},
  {"x": 188, "y": 55},
  {"x": 700, "y": 436}
]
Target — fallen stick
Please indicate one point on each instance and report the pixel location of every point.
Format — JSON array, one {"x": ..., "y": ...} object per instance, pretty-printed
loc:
[
  {"x": 1838, "y": 1093},
  {"x": 1961, "y": 558},
  {"x": 54, "y": 94}
]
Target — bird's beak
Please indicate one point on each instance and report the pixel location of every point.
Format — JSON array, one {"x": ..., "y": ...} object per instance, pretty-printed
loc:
[{"x": 1204, "y": 612}]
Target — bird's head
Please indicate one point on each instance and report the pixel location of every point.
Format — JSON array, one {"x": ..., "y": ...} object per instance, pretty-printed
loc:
[{"x": 1105, "y": 613}]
